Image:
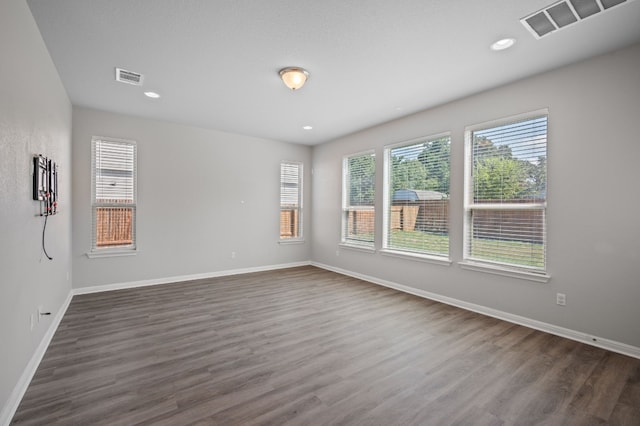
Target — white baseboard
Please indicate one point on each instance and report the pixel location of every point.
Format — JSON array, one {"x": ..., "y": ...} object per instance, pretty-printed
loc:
[
  {"x": 599, "y": 342},
  {"x": 9, "y": 410},
  {"x": 19, "y": 390},
  {"x": 181, "y": 278}
]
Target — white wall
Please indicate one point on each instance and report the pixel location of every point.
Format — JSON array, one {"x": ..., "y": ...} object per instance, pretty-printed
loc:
[
  {"x": 593, "y": 198},
  {"x": 35, "y": 118},
  {"x": 202, "y": 195}
]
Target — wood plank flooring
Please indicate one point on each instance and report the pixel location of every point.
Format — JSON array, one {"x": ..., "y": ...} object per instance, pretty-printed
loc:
[{"x": 305, "y": 346}]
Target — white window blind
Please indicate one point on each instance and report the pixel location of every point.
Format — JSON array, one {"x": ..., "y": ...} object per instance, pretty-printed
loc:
[
  {"x": 358, "y": 198},
  {"x": 506, "y": 190},
  {"x": 290, "y": 201},
  {"x": 114, "y": 178},
  {"x": 417, "y": 199}
]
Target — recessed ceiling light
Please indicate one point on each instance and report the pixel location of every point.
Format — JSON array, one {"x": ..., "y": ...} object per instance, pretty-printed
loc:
[
  {"x": 152, "y": 95},
  {"x": 307, "y": 127},
  {"x": 505, "y": 43}
]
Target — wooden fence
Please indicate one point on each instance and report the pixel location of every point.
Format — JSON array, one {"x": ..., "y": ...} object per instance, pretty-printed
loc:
[
  {"x": 425, "y": 216},
  {"x": 432, "y": 216},
  {"x": 509, "y": 225},
  {"x": 114, "y": 226},
  {"x": 289, "y": 225},
  {"x": 361, "y": 221}
]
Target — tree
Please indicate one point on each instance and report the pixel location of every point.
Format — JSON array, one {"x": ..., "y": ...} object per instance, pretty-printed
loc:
[
  {"x": 362, "y": 180},
  {"x": 499, "y": 178},
  {"x": 538, "y": 177},
  {"x": 435, "y": 159},
  {"x": 407, "y": 174},
  {"x": 498, "y": 175},
  {"x": 484, "y": 147}
]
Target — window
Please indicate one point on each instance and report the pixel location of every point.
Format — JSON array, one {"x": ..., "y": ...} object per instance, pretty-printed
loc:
[
  {"x": 358, "y": 197},
  {"x": 113, "y": 171},
  {"x": 417, "y": 196},
  {"x": 506, "y": 191},
  {"x": 290, "y": 201}
]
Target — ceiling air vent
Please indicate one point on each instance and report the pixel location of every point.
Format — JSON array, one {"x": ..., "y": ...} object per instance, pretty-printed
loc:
[
  {"x": 129, "y": 77},
  {"x": 564, "y": 13}
]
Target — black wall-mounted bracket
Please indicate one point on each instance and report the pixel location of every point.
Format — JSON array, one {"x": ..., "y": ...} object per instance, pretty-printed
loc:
[{"x": 45, "y": 184}]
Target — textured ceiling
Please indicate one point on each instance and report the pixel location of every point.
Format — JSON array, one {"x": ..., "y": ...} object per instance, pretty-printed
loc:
[{"x": 215, "y": 62}]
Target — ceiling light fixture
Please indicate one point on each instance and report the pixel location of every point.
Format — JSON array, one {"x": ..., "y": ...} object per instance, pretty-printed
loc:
[
  {"x": 152, "y": 95},
  {"x": 294, "y": 77},
  {"x": 307, "y": 127},
  {"x": 503, "y": 44}
]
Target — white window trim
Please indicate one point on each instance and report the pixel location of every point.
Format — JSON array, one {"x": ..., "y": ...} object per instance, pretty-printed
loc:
[
  {"x": 412, "y": 255},
  {"x": 300, "y": 238},
  {"x": 95, "y": 252},
  {"x": 509, "y": 271},
  {"x": 291, "y": 241},
  {"x": 111, "y": 253},
  {"x": 386, "y": 203},
  {"x": 344, "y": 242},
  {"x": 481, "y": 265},
  {"x": 357, "y": 247}
]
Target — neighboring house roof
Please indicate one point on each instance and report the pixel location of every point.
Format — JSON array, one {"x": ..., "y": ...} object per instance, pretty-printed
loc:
[{"x": 418, "y": 195}]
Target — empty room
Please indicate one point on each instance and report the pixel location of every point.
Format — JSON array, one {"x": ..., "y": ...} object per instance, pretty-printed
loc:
[{"x": 244, "y": 212}]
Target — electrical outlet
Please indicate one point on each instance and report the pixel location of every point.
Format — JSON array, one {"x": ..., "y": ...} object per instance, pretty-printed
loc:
[
  {"x": 39, "y": 313},
  {"x": 561, "y": 299},
  {"x": 32, "y": 321},
  {"x": 337, "y": 252},
  {"x": 233, "y": 254}
]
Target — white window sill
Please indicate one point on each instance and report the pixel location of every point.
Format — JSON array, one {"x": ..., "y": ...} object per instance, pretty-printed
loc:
[
  {"x": 357, "y": 247},
  {"x": 417, "y": 257},
  {"x": 111, "y": 253},
  {"x": 291, "y": 241},
  {"x": 507, "y": 272}
]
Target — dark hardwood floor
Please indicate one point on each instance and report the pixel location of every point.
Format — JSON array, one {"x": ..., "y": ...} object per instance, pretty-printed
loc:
[{"x": 311, "y": 347}]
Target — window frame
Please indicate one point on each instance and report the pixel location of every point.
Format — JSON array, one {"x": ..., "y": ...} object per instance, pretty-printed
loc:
[
  {"x": 492, "y": 266},
  {"x": 300, "y": 203},
  {"x": 125, "y": 250},
  {"x": 345, "y": 241},
  {"x": 387, "y": 203}
]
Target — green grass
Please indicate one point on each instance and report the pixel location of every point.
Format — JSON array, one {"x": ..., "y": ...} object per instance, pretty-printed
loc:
[
  {"x": 516, "y": 253},
  {"x": 420, "y": 241}
]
